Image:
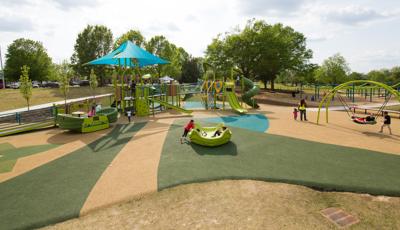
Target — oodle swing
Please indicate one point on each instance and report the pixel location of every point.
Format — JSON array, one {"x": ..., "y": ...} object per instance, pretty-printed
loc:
[{"x": 368, "y": 120}]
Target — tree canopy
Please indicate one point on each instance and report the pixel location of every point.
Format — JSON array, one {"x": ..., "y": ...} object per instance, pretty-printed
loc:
[
  {"x": 30, "y": 53},
  {"x": 93, "y": 42},
  {"x": 161, "y": 47},
  {"x": 259, "y": 51},
  {"x": 333, "y": 70},
  {"x": 132, "y": 35},
  {"x": 192, "y": 70}
]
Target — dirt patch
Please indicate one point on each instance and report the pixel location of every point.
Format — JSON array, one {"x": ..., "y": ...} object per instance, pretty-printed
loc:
[{"x": 239, "y": 205}]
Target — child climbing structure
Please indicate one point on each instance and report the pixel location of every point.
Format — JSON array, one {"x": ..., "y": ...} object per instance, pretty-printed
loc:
[{"x": 212, "y": 89}]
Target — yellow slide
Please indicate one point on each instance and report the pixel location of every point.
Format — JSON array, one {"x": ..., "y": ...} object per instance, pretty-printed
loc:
[{"x": 234, "y": 103}]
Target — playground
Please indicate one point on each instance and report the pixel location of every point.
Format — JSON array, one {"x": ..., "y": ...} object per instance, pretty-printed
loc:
[{"x": 91, "y": 159}]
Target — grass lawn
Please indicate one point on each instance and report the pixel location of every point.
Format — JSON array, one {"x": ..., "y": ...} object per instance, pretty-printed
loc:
[
  {"x": 12, "y": 99},
  {"x": 268, "y": 157}
]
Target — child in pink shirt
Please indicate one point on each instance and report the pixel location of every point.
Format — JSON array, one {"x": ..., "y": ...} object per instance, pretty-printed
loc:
[{"x": 295, "y": 113}]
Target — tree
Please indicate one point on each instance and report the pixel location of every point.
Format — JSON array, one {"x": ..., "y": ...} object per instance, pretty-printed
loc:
[
  {"x": 65, "y": 72},
  {"x": 191, "y": 70},
  {"x": 357, "y": 76},
  {"x": 93, "y": 82},
  {"x": 132, "y": 35},
  {"x": 25, "y": 86},
  {"x": 280, "y": 48},
  {"x": 217, "y": 57},
  {"x": 161, "y": 47},
  {"x": 93, "y": 42},
  {"x": 378, "y": 75},
  {"x": 260, "y": 51},
  {"x": 395, "y": 75},
  {"x": 333, "y": 70},
  {"x": 30, "y": 53}
]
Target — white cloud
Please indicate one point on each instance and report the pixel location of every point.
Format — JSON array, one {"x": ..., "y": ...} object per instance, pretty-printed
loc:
[
  {"x": 69, "y": 4},
  {"x": 355, "y": 15},
  {"x": 271, "y": 7},
  {"x": 15, "y": 24}
]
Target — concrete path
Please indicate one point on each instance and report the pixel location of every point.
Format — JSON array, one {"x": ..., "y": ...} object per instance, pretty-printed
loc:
[{"x": 51, "y": 104}]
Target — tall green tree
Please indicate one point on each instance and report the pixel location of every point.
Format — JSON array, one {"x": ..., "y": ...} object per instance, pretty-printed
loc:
[
  {"x": 92, "y": 43},
  {"x": 192, "y": 70},
  {"x": 132, "y": 35},
  {"x": 64, "y": 74},
  {"x": 379, "y": 76},
  {"x": 260, "y": 51},
  {"x": 161, "y": 47},
  {"x": 25, "y": 86},
  {"x": 357, "y": 76},
  {"x": 217, "y": 57},
  {"x": 30, "y": 53},
  {"x": 93, "y": 82},
  {"x": 395, "y": 75},
  {"x": 280, "y": 48},
  {"x": 333, "y": 70}
]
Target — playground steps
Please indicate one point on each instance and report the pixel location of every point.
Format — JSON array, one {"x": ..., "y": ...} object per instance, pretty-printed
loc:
[{"x": 19, "y": 128}]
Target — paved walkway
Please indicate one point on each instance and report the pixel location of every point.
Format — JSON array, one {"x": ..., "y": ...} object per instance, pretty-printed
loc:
[
  {"x": 41, "y": 106},
  {"x": 370, "y": 106}
]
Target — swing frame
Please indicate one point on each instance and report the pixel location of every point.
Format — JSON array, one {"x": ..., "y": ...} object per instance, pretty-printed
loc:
[{"x": 328, "y": 97}]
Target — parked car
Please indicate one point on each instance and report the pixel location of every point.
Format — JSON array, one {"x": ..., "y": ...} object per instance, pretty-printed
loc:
[
  {"x": 14, "y": 85},
  {"x": 53, "y": 85},
  {"x": 84, "y": 83},
  {"x": 74, "y": 83},
  {"x": 35, "y": 84}
]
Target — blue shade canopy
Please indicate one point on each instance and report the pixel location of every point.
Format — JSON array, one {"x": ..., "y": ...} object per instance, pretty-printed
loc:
[{"x": 128, "y": 54}]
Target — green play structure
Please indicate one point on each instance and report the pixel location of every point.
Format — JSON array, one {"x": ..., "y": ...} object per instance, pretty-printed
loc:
[
  {"x": 86, "y": 124},
  {"x": 212, "y": 89},
  {"x": 326, "y": 100},
  {"x": 204, "y": 135}
]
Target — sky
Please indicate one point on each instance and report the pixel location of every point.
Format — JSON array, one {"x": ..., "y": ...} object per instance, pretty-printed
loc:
[{"x": 365, "y": 32}]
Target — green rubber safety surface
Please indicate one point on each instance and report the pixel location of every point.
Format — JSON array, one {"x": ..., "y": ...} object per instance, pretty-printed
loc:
[
  {"x": 9, "y": 154},
  {"x": 267, "y": 157},
  {"x": 57, "y": 191}
]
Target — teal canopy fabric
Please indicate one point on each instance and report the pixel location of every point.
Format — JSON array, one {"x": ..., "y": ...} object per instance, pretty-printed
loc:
[{"x": 128, "y": 54}]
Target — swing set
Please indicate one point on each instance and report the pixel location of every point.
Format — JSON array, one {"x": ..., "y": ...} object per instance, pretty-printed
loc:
[{"x": 368, "y": 120}]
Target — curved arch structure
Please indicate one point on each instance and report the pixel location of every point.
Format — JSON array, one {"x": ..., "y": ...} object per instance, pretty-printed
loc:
[{"x": 328, "y": 97}]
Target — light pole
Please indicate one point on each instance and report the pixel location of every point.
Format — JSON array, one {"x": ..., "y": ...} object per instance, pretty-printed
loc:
[{"x": 2, "y": 70}]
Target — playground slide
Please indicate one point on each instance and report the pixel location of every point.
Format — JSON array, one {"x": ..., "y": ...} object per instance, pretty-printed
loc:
[
  {"x": 163, "y": 103},
  {"x": 251, "y": 90},
  {"x": 234, "y": 102}
]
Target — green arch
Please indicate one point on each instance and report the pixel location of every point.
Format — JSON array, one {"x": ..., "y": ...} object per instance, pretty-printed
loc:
[{"x": 328, "y": 97}]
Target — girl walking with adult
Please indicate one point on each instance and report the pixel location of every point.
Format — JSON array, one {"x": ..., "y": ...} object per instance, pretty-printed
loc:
[{"x": 302, "y": 108}]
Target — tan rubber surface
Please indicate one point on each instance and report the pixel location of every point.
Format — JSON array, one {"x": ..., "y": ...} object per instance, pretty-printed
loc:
[
  {"x": 340, "y": 130},
  {"x": 134, "y": 171}
]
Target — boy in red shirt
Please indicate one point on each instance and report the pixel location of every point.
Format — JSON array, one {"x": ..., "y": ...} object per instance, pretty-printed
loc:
[{"x": 188, "y": 127}]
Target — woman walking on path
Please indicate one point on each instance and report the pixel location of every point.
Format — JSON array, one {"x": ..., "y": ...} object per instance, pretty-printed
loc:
[{"x": 302, "y": 108}]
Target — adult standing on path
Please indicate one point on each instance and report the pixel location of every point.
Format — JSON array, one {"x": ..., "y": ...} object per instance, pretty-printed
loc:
[{"x": 302, "y": 108}]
